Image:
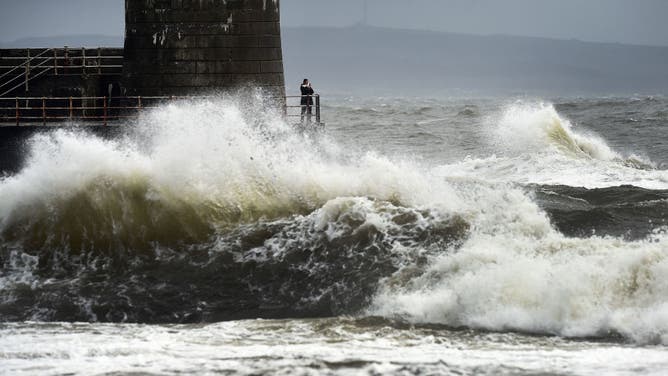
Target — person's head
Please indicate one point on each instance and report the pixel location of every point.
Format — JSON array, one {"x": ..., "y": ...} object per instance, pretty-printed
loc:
[{"x": 305, "y": 81}]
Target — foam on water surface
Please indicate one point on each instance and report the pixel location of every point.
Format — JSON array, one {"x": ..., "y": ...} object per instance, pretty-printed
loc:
[{"x": 462, "y": 244}]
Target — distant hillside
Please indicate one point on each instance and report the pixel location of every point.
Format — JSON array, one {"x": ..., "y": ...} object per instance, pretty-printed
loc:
[
  {"x": 376, "y": 60},
  {"x": 92, "y": 40},
  {"x": 367, "y": 59}
]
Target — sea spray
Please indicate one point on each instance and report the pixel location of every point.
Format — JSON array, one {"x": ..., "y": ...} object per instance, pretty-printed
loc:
[
  {"x": 531, "y": 143},
  {"x": 210, "y": 159},
  {"x": 535, "y": 127},
  {"x": 547, "y": 284},
  {"x": 208, "y": 211},
  {"x": 150, "y": 227}
]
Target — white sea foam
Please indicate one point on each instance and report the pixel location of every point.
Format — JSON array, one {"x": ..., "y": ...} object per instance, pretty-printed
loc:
[
  {"x": 513, "y": 272},
  {"x": 309, "y": 347},
  {"x": 532, "y": 143},
  {"x": 211, "y": 153},
  {"x": 534, "y": 128}
]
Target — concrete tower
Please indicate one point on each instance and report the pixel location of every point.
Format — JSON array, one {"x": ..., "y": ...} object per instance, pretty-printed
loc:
[{"x": 189, "y": 47}]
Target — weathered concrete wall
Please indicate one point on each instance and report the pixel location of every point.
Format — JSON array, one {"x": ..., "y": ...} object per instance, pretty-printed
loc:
[{"x": 180, "y": 47}]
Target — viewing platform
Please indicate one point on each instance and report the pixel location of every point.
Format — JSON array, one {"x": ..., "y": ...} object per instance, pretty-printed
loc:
[{"x": 173, "y": 50}]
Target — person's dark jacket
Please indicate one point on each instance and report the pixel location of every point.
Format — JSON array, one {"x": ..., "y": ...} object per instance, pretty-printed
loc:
[{"x": 307, "y": 99}]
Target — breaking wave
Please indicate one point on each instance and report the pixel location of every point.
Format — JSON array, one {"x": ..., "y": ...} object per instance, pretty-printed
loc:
[
  {"x": 207, "y": 211},
  {"x": 534, "y": 144},
  {"x": 540, "y": 282},
  {"x": 188, "y": 168},
  {"x": 535, "y": 128}
]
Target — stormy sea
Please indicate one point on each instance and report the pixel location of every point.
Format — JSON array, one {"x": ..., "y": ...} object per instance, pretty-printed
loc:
[{"x": 410, "y": 236}]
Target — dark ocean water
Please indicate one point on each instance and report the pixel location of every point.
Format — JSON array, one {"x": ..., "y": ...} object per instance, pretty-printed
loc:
[{"x": 412, "y": 236}]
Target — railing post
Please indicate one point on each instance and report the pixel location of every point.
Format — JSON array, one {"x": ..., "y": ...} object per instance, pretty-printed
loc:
[
  {"x": 27, "y": 70},
  {"x": 104, "y": 114},
  {"x": 83, "y": 60},
  {"x": 66, "y": 54},
  {"x": 139, "y": 103},
  {"x": 99, "y": 61},
  {"x": 17, "y": 111},
  {"x": 317, "y": 109},
  {"x": 55, "y": 61},
  {"x": 71, "y": 110},
  {"x": 43, "y": 111}
]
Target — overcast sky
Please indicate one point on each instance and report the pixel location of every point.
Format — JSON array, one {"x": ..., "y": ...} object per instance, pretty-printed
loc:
[{"x": 624, "y": 21}]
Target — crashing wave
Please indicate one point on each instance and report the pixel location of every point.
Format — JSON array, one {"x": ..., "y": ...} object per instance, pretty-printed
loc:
[{"x": 209, "y": 212}]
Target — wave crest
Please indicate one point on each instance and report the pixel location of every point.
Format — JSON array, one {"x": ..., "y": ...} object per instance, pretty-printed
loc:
[
  {"x": 208, "y": 211},
  {"x": 184, "y": 172},
  {"x": 594, "y": 287},
  {"x": 535, "y": 128}
]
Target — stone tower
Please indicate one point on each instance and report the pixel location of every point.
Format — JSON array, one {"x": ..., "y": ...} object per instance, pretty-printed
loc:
[{"x": 190, "y": 47}]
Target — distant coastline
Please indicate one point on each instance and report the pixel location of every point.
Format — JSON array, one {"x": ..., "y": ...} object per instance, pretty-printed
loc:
[
  {"x": 417, "y": 62},
  {"x": 368, "y": 60}
]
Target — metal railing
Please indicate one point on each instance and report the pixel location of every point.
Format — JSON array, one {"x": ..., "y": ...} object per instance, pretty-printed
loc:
[
  {"x": 103, "y": 110},
  {"x": 294, "y": 108},
  {"x": 24, "y": 69}
]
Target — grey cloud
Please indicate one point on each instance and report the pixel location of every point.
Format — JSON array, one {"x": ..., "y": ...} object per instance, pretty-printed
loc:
[{"x": 624, "y": 21}]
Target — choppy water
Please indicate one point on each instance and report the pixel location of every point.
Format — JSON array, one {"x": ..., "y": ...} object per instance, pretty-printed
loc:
[{"x": 414, "y": 236}]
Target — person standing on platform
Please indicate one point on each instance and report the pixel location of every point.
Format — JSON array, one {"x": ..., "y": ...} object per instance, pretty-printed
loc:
[{"x": 307, "y": 100}]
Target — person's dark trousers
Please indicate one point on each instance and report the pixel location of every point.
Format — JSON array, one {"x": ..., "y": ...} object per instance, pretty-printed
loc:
[{"x": 307, "y": 110}]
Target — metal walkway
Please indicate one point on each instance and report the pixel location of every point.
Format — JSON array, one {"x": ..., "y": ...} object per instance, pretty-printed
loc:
[{"x": 44, "y": 111}]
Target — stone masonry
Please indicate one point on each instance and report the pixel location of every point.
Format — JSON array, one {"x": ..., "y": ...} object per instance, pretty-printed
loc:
[{"x": 190, "y": 47}]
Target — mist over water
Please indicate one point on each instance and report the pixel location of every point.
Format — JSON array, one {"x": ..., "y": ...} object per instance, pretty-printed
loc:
[{"x": 432, "y": 223}]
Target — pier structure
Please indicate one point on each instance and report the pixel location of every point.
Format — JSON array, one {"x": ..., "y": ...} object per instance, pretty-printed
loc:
[{"x": 172, "y": 48}]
